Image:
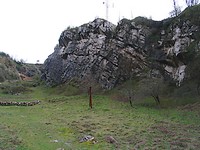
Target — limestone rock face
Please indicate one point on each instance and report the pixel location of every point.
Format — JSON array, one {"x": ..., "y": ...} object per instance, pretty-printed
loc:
[
  {"x": 175, "y": 45},
  {"x": 100, "y": 49},
  {"x": 53, "y": 68},
  {"x": 111, "y": 54}
]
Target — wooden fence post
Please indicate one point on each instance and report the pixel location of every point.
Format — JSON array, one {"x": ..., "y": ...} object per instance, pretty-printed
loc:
[{"x": 90, "y": 95}]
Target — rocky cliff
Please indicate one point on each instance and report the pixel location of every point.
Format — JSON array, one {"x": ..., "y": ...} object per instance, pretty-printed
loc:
[{"x": 111, "y": 54}]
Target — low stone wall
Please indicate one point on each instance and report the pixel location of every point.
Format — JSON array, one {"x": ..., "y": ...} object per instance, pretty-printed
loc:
[{"x": 19, "y": 103}]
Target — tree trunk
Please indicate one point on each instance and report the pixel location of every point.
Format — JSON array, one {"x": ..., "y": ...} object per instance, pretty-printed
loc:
[
  {"x": 131, "y": 103},
  {"x": 157, "y": 99}
]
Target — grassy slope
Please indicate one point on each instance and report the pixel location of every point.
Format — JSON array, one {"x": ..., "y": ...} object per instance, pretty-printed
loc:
[{"x": 68, "y": 118}]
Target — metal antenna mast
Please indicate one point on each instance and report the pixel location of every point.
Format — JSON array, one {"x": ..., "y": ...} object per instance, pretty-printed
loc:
[
  {"x": 106, "y": 3},
  {"x": 107, "y": 7}
]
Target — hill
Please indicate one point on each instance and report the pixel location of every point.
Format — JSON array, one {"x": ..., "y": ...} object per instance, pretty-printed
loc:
[{"x": 11, "y": 70}]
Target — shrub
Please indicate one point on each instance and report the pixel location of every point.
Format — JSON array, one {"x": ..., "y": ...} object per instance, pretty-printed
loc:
[{"x": 13, "y": 88}]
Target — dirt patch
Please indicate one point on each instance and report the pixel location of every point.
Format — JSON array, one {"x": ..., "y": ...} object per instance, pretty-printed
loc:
[
  {"x": 191, "y": 107},
  {"x": 176, "y": 136},
  {"x": 120, "y": 97},
  {"x": 166, "y": 135},
  {"x": 25, "y": 78}
]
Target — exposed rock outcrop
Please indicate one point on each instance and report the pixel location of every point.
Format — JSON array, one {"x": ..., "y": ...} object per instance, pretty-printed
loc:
[
  {"x": 112, "y": 54},
  {"x": 100, "y": 49},
  {"x": 175, "y": 45}
]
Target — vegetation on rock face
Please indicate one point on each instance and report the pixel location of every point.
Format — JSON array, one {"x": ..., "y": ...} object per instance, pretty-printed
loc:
[
  {"x": 192, "y": 14},
  {"x": 194, "y": 71}
]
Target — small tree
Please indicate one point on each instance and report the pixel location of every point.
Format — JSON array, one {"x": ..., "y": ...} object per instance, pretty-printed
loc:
[
  {"x": 129, "y": 94},
  {"x": 155, "y": 91},
  {"x": 151, "y": 87},
  {"x": 176, "y": 11}
]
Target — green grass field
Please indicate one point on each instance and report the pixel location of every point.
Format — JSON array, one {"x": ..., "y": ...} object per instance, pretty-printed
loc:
[{"x": 61, "y": 120}]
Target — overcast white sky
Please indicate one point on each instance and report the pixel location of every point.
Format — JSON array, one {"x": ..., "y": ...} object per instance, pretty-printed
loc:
[{"x": 30, "y": 29}]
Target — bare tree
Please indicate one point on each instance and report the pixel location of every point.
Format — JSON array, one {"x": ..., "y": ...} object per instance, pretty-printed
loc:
[
  {"x": 151, "y": 87},
  {"x": 175, "y": 7},
  {"x": 176, "y": 11},
  {"x": 191, "y": 2},
  {"x": 155, "y": 91},
  {"x": 130, "y": 94}
]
